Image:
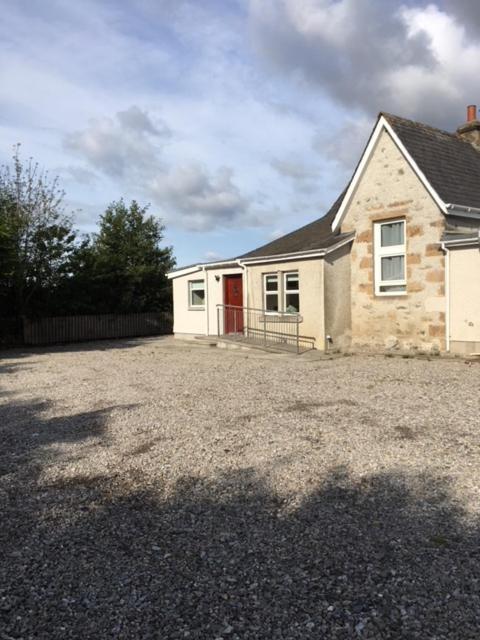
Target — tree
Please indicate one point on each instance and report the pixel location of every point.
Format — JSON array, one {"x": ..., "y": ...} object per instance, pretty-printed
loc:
[
  {"x": 36, "y": 238},
  {"x": 126, "y": 262},
  {"x": 7, "y": 251}
]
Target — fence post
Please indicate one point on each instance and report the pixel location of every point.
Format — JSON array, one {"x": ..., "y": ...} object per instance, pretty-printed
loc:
[
  {"x": 298, "y": 336},
  {"x": 264, "y": 330}
]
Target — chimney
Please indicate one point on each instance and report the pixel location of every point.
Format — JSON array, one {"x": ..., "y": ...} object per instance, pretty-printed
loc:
[{"x": 470, "y": 131}]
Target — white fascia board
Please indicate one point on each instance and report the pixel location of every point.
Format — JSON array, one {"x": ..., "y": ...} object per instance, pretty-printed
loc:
[
  {"x": 358, "y": 173},
  {"x": 227, "y": 264},
  {"x": 183, "y": 272},
  {"x": 283, "y": 257},
  {"x": 300, "y": 255},
  {"x": 422, "y": 177},
  {"x": 382, "y": 125}
]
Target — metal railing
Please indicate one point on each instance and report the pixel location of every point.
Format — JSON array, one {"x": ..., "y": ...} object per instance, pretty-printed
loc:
[{"x": 261, "y": 327}]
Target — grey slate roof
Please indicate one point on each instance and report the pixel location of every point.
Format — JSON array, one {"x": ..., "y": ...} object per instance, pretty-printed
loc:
[
  {"x": 450, "y": 164},
  {"x": 315, "y": 235}
]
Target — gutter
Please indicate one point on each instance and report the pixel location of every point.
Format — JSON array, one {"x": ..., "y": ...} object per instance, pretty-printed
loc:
[
  {"x": 282, "y": 257},
  {"x": 462, "y": 242},
  {"x": 447, "y": 295},
  {"x": 299, "y": 255},
  {"x": 206, "y": 301},
  {"x": 461, "y": 210},
  {"x": 183, "y": 272},
  {"x": 245, "y": 280},
  {"x": 201, "y": 266},
  {"x": 242, "y": 262}
]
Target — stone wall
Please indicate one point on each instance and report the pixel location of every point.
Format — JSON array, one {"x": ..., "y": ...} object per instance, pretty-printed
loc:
[{"x": 390, "y": 189}]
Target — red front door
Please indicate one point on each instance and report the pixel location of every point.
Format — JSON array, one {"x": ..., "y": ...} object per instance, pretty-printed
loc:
[{"x": 233, "y": 297}]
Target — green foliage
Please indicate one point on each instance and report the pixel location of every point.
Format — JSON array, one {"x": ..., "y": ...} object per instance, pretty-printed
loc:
[
  {"x": 123, "y": 266},
  {"x": 46, "y": 270},
  {"x": 36, "y": 238}
]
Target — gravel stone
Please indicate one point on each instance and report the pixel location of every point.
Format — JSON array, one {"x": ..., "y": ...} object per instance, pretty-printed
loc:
[{"x": 161, "y": 489}]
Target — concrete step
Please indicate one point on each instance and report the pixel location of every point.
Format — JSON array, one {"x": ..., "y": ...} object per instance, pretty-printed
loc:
[{"x": 226, "y": 343}]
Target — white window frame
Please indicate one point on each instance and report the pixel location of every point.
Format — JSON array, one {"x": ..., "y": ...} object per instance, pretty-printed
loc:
[
  {"x": 191, "y": 304},
  {"x": 271, "y": 293},
  {"x": 289, "y": 291},
  {"x": 388, "y": 252},
  {"x": 281, "y": 292}
]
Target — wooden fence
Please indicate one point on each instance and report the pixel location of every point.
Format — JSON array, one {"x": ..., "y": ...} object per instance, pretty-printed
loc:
[{"x": 40, "y": 331}]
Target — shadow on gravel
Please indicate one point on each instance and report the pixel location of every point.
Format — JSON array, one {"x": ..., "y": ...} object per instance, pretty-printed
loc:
[
  {"x": 7, "y": 367},
  {"x": 385, "y": 557},
  {"x": 26, "y": 433},
  {"x": 93, "y": 345}
]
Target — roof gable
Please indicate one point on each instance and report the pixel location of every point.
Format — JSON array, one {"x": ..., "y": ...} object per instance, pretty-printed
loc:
[
  {"x": 381, "y": 125},
  {"x": 451, "y": 164},
  {"x": 447, "y": 165}
]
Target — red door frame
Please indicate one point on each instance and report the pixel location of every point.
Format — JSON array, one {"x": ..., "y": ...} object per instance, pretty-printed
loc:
[{"x": 233, "y": 295}]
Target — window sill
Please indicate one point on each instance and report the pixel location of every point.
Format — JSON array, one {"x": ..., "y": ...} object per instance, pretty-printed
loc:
[
  {"x": 279, "y": 317},
  {"x": 394, "y": 294},
  {"x": 196, "y": 308}
]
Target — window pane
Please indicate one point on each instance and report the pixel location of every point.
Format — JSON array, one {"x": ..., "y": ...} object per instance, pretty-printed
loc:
[
  {"x": 393, "y": 268},
  {"x": 197, "y": 293},
  {"x": 271, "y": 302},
  {"x": 198, "y": 297},
  {"x": 392, "y": 234},
  {"x": 291, "y": 281},
  {"x": 271, "y": 283},
  {"x": 292, "y": 301}
]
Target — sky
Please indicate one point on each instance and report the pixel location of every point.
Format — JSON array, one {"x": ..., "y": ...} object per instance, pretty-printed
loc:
[{"x": 236, "y": 120}]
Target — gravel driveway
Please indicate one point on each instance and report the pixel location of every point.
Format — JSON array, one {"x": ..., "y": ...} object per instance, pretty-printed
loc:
[{"x": 151, "y": 489}]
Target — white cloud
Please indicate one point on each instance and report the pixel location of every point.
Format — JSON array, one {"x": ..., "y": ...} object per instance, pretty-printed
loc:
[
  {"x": 130, "y": 148},
  {"x": 372, "y": 55},
  {"x": 125, "y": 144},
  {"x": 79, "y": 174},
  {"x": 212, "y": 256},
  {"x": 201, "y": 201},
  {"x": 264, "y": 129},
  {"x": 298, "y": 171},
  {"x": 346, "y": 47},
  {"x": 345, "y": 144},
  {"x": 466, "y": 12},
  {"x": 441, "y": 93}
]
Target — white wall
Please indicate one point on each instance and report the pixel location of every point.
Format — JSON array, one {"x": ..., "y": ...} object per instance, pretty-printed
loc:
[
  {"x": 200, "y": 321},
  {"x": 185, "y": 319},
  {"x": 215, "y": 294},
  {"x": 311, "y": 284},
  {"x": 464, "y": 299}
]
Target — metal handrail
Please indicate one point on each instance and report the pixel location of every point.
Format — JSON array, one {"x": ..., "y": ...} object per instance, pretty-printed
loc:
[
  {"x": 256, "y": 325},
  {"x": 297, "y": 317}
]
